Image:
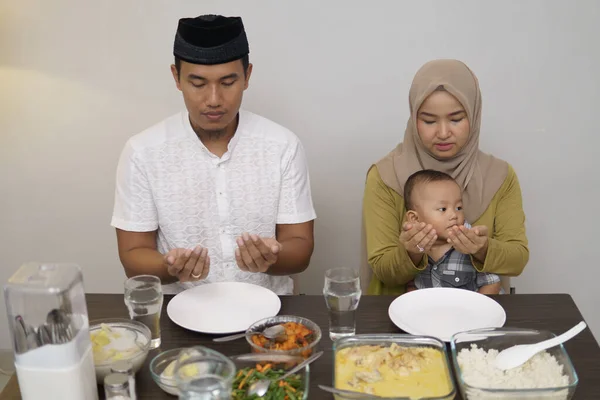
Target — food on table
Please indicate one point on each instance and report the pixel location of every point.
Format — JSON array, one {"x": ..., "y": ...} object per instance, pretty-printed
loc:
[
  {"x": 290, "y": 388},
  {"x": 188, "y": 371},
  {"x": 114, "y": 343},
  {"x": 393, "y": 371},
  {"x": 541, "y": 371},
  {"x": 297, "y": 336}
]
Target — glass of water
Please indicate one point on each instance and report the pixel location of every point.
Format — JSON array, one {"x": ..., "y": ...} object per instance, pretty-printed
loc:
[
  {"x": 204, "y": 374},
  {"x": 144, "y": 299},
  {"x": 342, "y": 294}
]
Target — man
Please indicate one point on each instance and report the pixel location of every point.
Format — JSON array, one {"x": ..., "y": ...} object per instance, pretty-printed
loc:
[{"x": 214, "y": 193}]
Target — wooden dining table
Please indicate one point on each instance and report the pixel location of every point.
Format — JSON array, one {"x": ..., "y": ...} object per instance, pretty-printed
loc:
[{"x": 553, "y": 312}]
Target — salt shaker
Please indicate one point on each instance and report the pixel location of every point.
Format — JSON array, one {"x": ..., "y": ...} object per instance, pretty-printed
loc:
[
  {"x": 125, "y": 367},
  {"x": 116, "y": 387}
]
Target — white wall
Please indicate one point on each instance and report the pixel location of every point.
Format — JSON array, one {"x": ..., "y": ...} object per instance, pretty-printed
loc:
[{"x": 77, "y": 78}]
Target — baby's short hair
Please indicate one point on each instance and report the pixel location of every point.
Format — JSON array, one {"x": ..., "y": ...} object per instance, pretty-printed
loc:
[{"x": 419, "y": 178}]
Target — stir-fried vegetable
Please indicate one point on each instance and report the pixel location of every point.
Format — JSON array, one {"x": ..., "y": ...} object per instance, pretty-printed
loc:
[
  {"x": 297, "y": 336},
  {"x": 290, "y": 388}
]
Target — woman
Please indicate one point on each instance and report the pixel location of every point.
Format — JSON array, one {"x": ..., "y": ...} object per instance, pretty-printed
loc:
[{"x": 443, "y": 134}]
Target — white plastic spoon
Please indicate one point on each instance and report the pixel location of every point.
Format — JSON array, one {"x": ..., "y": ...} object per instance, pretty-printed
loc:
[{"x": 517, "y": 355}]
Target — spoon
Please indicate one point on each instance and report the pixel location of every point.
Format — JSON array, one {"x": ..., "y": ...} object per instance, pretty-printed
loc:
[
  {"x": 349, "y": 394},
  {"x": 21, "y": 344},
  {"x": 261, "y": 387},
  {"x": 59, "y": 325},
  {"x": 276, "y": 358},
  {"x": 44, "y": 335},
  {"x": 275, "y": 332},
  {"x": 517, "y": 355},
  {"x": 31, "y": 340}
]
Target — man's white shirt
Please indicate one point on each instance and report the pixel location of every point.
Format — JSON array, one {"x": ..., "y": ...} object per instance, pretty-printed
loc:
[{"x": 168, "y": 180}]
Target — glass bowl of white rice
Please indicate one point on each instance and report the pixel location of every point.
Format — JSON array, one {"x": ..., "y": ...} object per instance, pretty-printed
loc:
[{"x": 548, "y": 375}]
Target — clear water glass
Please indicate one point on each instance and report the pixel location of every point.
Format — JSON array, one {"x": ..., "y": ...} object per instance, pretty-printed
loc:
[
  {"x": 342, "y": 295},
  {"x": 204, "y": 374},
  {"x": 144, "y": 300}
]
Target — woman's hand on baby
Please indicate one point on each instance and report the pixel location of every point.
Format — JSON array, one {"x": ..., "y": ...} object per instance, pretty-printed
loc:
[
  {"x": 472, "y": 241},
  {"x": 417, "y": 238}
]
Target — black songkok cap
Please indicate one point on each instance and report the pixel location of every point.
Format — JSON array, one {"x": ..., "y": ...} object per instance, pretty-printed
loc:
[{"x": 210, "y": 39}]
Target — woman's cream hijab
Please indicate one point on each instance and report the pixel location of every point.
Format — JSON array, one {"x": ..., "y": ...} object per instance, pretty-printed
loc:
[{"x": 480, "y": 175}]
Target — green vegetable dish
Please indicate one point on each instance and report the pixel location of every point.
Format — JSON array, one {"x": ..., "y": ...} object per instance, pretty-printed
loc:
[{"x": 290, "y": 388}]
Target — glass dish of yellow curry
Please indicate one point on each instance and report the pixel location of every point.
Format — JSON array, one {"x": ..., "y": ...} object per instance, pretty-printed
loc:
[{"x": 394, "y": 366}]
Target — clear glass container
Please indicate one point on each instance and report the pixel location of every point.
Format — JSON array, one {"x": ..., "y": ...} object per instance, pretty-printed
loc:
[
  {"x": 500, "y": 339},
  {"x": 35, "y": 294},
  {"x": 386, "y": 340},
  {"x": 202, "y": 373},
  {"x": 116, "y": 387},
  {"x": 144, "y": 299},
  {"x": 342, "y": 294},
  {"x": 122, "y": 367},
  {"x": 168, "y": 383},
  {"x": 277, "y": 362},
  {"x": 305, "y": 351},
  {"x": 138, "y": 333},
  {"x": 125, "y": 367},
  {"x": 48, "y": 322},
  {"x": 160, "y": 366}
]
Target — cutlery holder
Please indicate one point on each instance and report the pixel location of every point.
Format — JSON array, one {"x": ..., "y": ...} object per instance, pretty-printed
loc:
[{"x": 48, "y": 321}]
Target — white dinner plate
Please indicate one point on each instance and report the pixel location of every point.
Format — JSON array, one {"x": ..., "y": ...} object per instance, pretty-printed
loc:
[
  {"x": 442, "y": 312},
  {"x": 222, "y": 308}
]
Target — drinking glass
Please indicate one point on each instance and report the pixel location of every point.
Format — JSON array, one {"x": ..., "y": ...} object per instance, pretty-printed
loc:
[
  {"x": 342, "y": 295},
  {"x": 144, "y": 299}
]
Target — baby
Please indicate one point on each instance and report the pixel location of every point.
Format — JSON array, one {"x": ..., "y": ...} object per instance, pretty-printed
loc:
[{"x": 435, "y": 198}]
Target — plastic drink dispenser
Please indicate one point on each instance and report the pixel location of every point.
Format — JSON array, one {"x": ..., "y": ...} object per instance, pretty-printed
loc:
[{"x": 48, "y": 322}]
